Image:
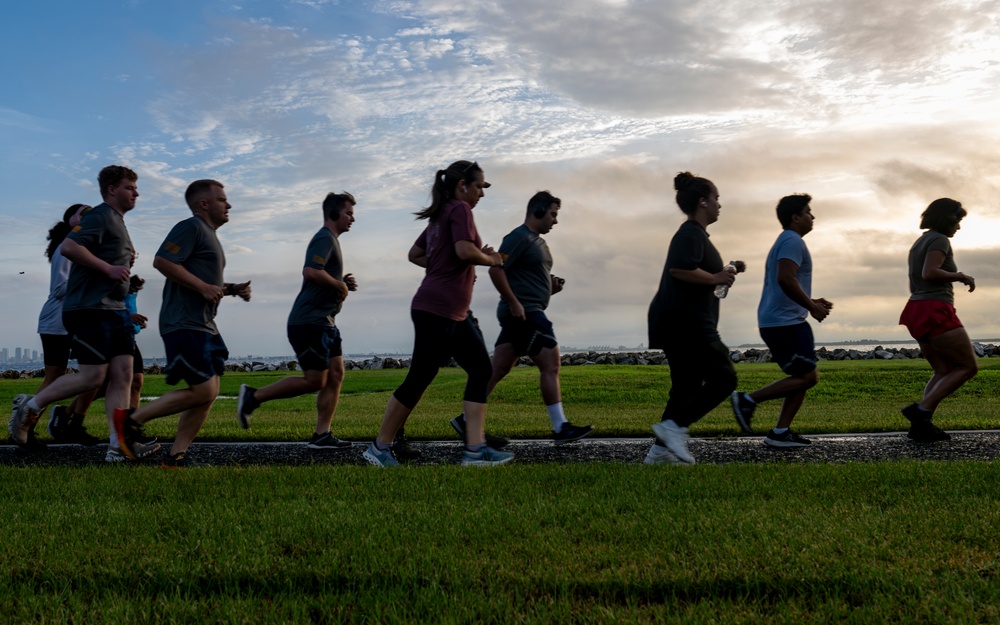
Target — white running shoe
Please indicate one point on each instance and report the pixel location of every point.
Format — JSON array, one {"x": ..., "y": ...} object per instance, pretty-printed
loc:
[{"x": 676, "y": 439}]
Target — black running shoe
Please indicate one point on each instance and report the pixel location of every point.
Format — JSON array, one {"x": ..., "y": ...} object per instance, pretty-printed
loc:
[
  {"x": 402, "y": 449},
  {"x": 496, "y": 442},
  {"x": 788, "y": 439},
  {"x": 569, "y": 433},
  {"x": 743, "y": 408},
  {"x": 180, "y": 460},
  {"x": 57, "y": 423},
  {"x": 245, "y": 405},
  {"x": 327, "y": 441},
  {"x": 32, "y": 444},
  {"x": 926, "y": 432},
  {"x": 74, "y": 432}
]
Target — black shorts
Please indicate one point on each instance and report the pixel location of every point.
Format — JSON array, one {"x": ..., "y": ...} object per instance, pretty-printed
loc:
[
  {"x": 99, "y": 335},
  {"x": 137, "y": 360},
  {"x": 194, "y": 356},
  {"x": 315, "y": 345},
  {"x": 792, "y": 347},
  {"x": 55, "y": 350},
  {"x": 530, "y": 336}
]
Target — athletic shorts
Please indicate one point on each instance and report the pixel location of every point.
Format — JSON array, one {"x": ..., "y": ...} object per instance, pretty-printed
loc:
[
  {"x": 55, "y": 350},
  {"x": 137, "y": 360},
  {"x": 928, "y": 318},
  {"x": 194, "y": 356},
  {"x": 315, "y": 345},
  {"x": 528, "y": 337},
  {"x": 792, "y": 347},
  {"x": 99, "y": 335}
]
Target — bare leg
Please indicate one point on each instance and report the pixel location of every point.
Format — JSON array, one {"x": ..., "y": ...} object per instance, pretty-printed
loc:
[
  {"x": 135, "y": 393},
  {"x": 329, "y": 395},
  {"x": 89, "y": 379},
  {"x": 792, "y": 389},
  {"x": 394, "y": 418},
  {"x": 504, "y": 360},
  {"x": 475, "y": 416},
  {"x": 51, "y": 375},
  {"x": 193, "y": 418},
  {"x": 548, "y": 362},
  {"x": 119, "y": 383},
  {"x": 954, "y": 363},
  {"x": 312, "y": 380},
  {"x": 178, "y": 401}
]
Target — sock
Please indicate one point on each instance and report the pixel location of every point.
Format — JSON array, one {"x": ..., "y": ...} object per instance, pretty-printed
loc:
[
  {"x": 919, "y": 407},
  {"x": 747, "y": 397},
  {"x": 379, "y": 445},
  {"x": 34, "y": 407},
  {"x": 556, "y": 416},
  {"x": 780, "y": 430},
  {"x": 476, "y": 448}
]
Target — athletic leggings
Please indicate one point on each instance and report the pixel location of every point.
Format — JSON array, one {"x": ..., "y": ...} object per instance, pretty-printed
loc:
[
  {"x": 437, "y": 340},
  {"x": 701, "y": 377}
]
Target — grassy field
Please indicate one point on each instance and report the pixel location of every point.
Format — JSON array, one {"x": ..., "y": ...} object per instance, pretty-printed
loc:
[
  {"x": 604, "y": 543},
  {"x": 862, "y": 396},
  {"x": 899, "y": 542}
]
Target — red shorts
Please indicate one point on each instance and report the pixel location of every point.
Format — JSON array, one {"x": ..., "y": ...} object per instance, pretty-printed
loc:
[{"x": 928, "y": 318}]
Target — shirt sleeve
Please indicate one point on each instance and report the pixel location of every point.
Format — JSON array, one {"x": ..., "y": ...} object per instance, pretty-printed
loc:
[
  {"x": 686, "y": 252},
  {"x": 89, "y": 231},
  {"x": 318, "y": 252},
  {"x": 463, "y": 228},
  {"x": 791, "y": 249},
  {"x": 179, "y": 244},
  {"x": 513, "y": 246}
]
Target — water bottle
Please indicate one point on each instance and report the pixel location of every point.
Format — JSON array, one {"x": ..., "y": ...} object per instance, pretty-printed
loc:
[{"x": 722, "y": 290}]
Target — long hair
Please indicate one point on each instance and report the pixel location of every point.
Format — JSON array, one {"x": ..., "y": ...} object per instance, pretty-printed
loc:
[
  {"x": 690, "y": 190},
  {"x": 445, "y": 183},
  {"x": 58, "y": 232}
]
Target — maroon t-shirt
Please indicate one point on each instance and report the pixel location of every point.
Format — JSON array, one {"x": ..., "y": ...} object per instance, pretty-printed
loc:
[{"x": 447, "y": 286}]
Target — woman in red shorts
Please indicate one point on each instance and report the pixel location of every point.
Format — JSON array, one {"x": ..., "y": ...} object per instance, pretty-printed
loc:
[{"x": 930, "y": 316}]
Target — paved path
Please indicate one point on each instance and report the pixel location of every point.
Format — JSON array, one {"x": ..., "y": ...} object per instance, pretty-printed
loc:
[{"x": 840, "y": 448}]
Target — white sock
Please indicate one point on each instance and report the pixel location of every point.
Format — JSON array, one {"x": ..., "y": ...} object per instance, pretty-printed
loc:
[
  {"x": 556, "y": 416},
  {"x": 35, "y": 408},
  {"x": 780, "y": 430}
]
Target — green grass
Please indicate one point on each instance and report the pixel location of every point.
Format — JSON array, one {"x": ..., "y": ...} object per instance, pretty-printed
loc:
[
  {"x": 897, "y": 542},
  {"x": 619, "y": 400}
]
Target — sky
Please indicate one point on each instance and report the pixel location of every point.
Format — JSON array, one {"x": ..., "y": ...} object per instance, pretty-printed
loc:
[{"x": 873, "y": 108}]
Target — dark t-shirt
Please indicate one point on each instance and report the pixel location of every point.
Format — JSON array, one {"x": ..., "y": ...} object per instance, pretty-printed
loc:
[
  {"x": 681, "y": 309},
  {"x": 528, "y": 266},
  {"x": 316, "y": 304},
  {"x": 193, "y": 245},
  {"x": 447, "y": 286},
  {"x": 920, "y": 289},
  {"x": 102, "y": 231}
]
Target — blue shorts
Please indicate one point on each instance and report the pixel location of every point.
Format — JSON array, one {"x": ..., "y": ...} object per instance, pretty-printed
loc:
[
  {"x": 530, "y": 336},
  {"x": 315, "y": 345},
  {"x": 194, "y": 356},
  {"x": 792, "y": 347},
  {"x": 99, "y": 335}
]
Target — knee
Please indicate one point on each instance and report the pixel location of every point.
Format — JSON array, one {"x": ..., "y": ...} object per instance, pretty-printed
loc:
[{"x": 810, "y": 380}]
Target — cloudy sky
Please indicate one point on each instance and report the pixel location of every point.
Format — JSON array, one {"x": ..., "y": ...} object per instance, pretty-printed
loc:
[{"x": 874, "y": 108}]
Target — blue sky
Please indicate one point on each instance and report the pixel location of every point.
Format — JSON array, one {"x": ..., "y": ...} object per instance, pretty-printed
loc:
[{"x": 873, "y": 108}]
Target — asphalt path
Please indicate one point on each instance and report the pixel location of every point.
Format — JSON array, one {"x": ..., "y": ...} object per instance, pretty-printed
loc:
[{"x": 830, "y": 449}]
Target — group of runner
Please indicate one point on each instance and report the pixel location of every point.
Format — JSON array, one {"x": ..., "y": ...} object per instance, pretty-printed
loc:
[{"x": 88, "y": 316}]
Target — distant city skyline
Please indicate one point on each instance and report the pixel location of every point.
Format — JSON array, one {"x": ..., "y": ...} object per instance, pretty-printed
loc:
[{"x": 875, "y": 109}]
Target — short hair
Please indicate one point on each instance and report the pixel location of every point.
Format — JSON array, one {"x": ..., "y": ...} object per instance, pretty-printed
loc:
[
  {"x": 197, "y": 189},
  {"x": 111, "y": 175},
  {"x": 942, "y": 214},
  {"x": 790, "y": 206},
  {"x": 691, "y": 189},
  {"x": 540, "y": 202},
  {"x": 334, "y": 202}
]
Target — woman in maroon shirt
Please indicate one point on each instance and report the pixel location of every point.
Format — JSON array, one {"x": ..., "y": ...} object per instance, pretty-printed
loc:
[{"x": 449, "y": 249}]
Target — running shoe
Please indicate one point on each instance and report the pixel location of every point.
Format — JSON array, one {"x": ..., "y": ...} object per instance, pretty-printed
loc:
[
  {"x": 914, "y": 413},
  {"x": 245, "y": 404},
  {"x": 114, "y": 455},
  {"x": 676, "y": 439},
  {"x": 402, "y": 449},
  {"x": 180, "y": 460},
  {"x": 57, "y": 423},
  {"x": 327, "y": 441},
  {"x": 570, "y": 433},
  {"x": 379, "y": 457},
  {"x": 743, "y": 408},
  {"x": 130, "y": 435},
  {"x": 486, "y": 457},
  {"x": 22, "y": 420},
  {"x": 788, "y": 438},
  {"x": 927, "y": 432},
  {"x": 658, "y": 454},
  {"x": 74, "y": 432},
  {"x": 496, "y": 442}
]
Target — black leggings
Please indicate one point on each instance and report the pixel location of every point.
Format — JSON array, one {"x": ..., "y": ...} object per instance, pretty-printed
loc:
[
  {"x": 701, "y": 377},
  {"x": 437, "y": 340}
]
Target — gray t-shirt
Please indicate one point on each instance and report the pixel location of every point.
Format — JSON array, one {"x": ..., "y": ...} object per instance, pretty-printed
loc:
[
  {"x": 776, "y": 309},
  {"x": 920, "y": 289},
  {"x": 316, "y": 304},
  {"x": 193, "y": 245},
  {"x": 102, "y": 231},
  {"x": 528, "y": 266}
]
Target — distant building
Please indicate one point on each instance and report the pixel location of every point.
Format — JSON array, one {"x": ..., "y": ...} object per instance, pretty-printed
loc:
[
  {"x": 17, "y": 354},
  {"x": 34, "y": 355}
]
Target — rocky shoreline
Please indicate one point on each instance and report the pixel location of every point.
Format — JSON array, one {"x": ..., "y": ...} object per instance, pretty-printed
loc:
[{"x": 648, "y": 357}]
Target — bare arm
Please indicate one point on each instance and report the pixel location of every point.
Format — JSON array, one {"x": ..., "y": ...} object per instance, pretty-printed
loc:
[
  {"x": 418, "y": 256},
  {"x": 499, "y": 278},
  {"x": 700, "y": 276},
  {"x": 788, "y": 280},
  {"x": 932, "y": 271},
  {"x": 177, "y": 273},
  {"x": 83, "y": 257},
  {"x": 324, "y": 279},
  {"x": 468, "y": 252}
]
